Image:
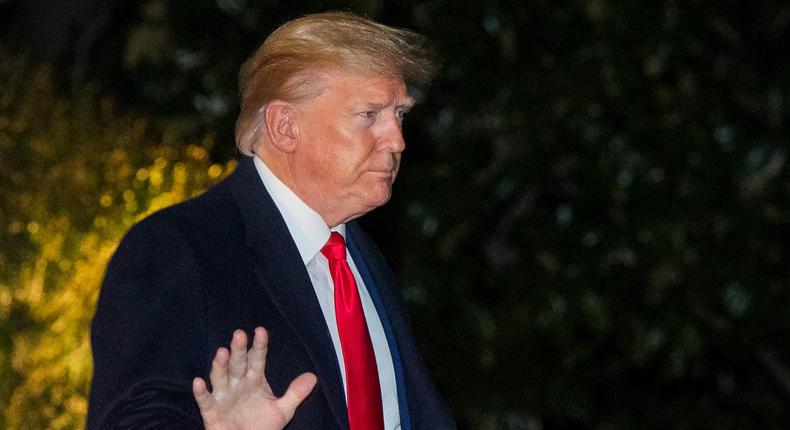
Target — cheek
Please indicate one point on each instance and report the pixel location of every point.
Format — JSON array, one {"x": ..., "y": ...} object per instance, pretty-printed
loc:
[
  {"x": 338, "y": 165},
  {"x": 356, "y": 153},
  {"x": 341, "y": 155},
  {"x": 329, "y": 152}
]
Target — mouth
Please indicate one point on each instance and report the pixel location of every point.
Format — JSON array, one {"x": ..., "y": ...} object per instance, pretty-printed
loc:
[
  {"x": 382, "y": 176},
  {"x": 382, "y": 173}
]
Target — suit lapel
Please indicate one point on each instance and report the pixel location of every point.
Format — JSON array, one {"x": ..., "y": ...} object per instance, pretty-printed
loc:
[
  {"x": 280, "y": 270},
  {"x": 420, "y": 402},
  {"x": 382, "y": 290}
]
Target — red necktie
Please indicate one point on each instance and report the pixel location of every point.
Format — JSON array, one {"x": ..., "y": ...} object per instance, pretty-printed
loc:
[{"x": 363, "y": 391}]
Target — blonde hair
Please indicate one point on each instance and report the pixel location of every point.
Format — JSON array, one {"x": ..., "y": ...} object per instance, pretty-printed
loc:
[{"x": 287, "y": 65}]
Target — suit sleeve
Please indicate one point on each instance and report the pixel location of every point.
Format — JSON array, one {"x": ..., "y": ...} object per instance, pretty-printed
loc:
[{"x": 147, "y": 334}]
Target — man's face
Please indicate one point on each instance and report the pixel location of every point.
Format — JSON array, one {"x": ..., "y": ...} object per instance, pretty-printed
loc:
[{"x": 349, "y": 144}]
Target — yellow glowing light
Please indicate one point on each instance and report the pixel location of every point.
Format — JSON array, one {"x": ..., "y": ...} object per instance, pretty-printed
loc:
[
  {"x": 214, "y": 171},
  {"x": 32, "y": 227},
  {"x": 105, "y": 200},
  {"x": 180, "y": 173}
]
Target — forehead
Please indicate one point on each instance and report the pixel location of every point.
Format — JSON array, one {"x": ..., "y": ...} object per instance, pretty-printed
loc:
[{"x": 350, "y": 88}]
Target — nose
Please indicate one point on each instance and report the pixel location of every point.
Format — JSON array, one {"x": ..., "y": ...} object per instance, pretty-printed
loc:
[{"x": 391, "y": 138}]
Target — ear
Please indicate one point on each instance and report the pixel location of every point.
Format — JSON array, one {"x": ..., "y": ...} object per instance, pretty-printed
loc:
[{"x": 280, "y": 125}]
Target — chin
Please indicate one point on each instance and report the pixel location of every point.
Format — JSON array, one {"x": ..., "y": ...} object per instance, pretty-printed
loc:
[
  {"x": 379, "y": 197},
  {"x": 381, "y": 201},
  {"x": 371, "y": 202}
]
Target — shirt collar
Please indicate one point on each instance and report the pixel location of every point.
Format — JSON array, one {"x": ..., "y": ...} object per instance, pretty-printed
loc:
[{"x": 308, "y": 229}]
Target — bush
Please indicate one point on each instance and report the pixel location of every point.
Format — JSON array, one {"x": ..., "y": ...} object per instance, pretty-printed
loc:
[{"x": 76, "y": 174}]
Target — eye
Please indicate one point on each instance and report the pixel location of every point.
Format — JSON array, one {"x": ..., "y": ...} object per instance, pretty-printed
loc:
[
  {"x": 401, "y": 114},
  {"x": 371, "y": 114}
]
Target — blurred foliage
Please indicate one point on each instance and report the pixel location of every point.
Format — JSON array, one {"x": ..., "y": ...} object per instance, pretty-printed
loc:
[
  {"x": 592, "y": 222},
  {"x": 606, "y": 208},
  {"x": 76, "y": 174}
]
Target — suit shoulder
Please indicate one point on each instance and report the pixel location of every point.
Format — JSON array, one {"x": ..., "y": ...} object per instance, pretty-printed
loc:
[
  {"x": 213, "y": 210},
  {"x": 183, "y": 231}
]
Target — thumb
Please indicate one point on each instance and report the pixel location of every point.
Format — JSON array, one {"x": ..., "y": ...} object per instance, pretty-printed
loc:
[{"x": 299, "y": 389}]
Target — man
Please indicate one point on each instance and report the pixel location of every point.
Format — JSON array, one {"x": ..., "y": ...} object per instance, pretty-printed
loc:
[{"x": 275, "y": 246}]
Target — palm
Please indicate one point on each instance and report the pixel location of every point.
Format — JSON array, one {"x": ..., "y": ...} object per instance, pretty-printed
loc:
[{"x": 241, "y": 398}]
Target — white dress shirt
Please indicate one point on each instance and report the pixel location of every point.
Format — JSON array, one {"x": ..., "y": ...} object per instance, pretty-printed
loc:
[{"x": 310, "y": 233}]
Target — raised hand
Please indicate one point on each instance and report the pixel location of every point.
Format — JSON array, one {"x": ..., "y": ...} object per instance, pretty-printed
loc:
[{"x": 241, "y": 396}]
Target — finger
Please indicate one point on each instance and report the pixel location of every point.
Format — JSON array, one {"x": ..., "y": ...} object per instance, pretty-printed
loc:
[
  {"x": 299, "y": 389},
  {"x": 219, "y": 369},
  {"x": 238, "y": 355},
  {"x": 203, "y": 398},
  {"x": 256, "y": 358}
]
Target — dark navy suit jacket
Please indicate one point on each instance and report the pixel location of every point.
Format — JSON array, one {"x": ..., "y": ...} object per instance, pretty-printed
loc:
[{"x": 185, "y": 278}]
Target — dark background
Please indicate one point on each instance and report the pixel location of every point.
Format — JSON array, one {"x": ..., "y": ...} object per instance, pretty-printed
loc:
[{"x": 592, "y": 220}]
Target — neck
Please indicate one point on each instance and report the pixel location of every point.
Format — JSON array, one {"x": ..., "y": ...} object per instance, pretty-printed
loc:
[{"x": 311, "y": 196}]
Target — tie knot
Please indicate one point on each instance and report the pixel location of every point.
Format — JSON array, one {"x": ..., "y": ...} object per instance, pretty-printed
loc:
[{"x": 335, "y": 248}]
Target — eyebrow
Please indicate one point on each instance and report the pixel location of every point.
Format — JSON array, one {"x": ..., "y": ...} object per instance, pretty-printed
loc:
[
  {"x": 375, "y": 106},
  {"x": 407, "y": 104}
]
